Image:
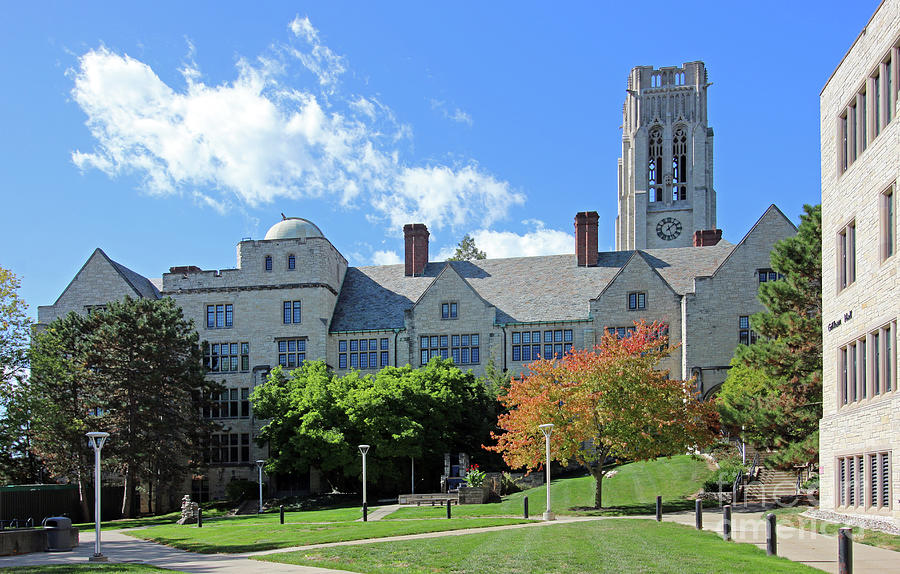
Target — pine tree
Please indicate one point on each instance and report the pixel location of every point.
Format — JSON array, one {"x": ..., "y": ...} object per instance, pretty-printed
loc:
[
  {"x": 467, "y": 250},
  {"x": 774, "y": 390}
]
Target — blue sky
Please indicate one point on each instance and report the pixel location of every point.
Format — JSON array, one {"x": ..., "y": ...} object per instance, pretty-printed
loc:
[{"x": 167, "y": 132}]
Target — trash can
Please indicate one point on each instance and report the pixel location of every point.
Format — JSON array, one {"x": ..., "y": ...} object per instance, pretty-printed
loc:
[{"x": 59, "y": 534}]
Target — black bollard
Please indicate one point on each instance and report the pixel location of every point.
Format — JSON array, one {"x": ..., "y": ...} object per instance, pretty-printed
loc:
[
  {"x": 659, "y": 508},
  {"x": 365, "y": 512},
  {"x": 448, "y": 508},
  {"x": 726, "y": 522},
  {"x": 199, "y": 517},
  {"x": 771, "y": 537},
  {"x": 845, "y": 551},
  {"x": 281, "y": 512},
  {"x": 525, "y": 504},
  {"x": 698, "y": 514}
]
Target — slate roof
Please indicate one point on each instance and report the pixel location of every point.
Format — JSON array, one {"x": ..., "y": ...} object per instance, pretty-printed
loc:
[
  {"x": 523, "y": 289},
  {"x": 143, "y": 286}
]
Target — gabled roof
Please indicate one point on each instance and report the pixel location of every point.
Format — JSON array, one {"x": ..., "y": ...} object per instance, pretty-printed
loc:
[
  {"x": 142, "y": 286},
  {"x": 523, "y": 289},
  {"x": 772, "y": 211}
]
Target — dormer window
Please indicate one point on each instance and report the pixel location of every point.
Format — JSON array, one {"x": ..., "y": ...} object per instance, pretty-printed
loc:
[
  {"x": 268, "y": 262},
  {"x": 292, "y": 262}
]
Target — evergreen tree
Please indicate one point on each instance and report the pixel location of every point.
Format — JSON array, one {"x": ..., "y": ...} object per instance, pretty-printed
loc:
[
  {"x": 467, "y": 250},
  {"x": 774, "y": 390}
]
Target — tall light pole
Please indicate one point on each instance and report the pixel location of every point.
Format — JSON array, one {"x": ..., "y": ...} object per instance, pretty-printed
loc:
[
  {"x": 547, "y": 429},
  {"x": 259, "y": 465},
  {"x": 364, "y": 448},
  {"x": 97, "y": 439}
]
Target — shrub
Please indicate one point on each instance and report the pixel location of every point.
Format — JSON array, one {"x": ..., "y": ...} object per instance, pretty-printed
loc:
[
  {"x": 811, "y": 483},
  {"x": 722, "y": 479}
]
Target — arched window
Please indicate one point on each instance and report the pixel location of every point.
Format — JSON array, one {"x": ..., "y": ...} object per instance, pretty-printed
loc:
[
  {"x": 292, "y": 261},
  {"x": 654, "y": 165},
  {"x": 268, "y": 262},
  {"x": 679, "y": 165}
]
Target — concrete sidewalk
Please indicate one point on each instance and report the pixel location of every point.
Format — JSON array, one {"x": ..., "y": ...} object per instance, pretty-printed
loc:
[{"x": 805, "y": 546}]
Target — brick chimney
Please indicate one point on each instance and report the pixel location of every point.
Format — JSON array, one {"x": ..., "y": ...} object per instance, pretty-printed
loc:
[
  {"x": 707, "y": 237},
  {"x": 586, "y": 238},
  {"x": 416, "y": 239}
]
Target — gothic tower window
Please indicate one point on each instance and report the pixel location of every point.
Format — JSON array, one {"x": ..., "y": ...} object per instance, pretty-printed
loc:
[
  {"x": 654, "y": 165},
  {"x": 679, "y": 165}
]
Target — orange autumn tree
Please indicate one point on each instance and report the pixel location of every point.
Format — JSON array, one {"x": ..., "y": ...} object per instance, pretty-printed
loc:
[{"x": 606, "y": 402}]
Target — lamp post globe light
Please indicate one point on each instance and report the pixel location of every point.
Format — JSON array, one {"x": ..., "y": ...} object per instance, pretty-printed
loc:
[
  {"x": 363, "y": 449},
  {"x": 97, "y": 439},
  {"x": 260, "y": 464},
  {"x": 547, "y": 429}
]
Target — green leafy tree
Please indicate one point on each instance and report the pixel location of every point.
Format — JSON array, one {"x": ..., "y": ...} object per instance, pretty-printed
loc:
[
  {"x": 317, "y": 419},
  {"x": 133, "y": 370},
  {"x": 774, "y": 390},
  {"x": 17, "y": 461},
  {"x": 467, "y": 250}
]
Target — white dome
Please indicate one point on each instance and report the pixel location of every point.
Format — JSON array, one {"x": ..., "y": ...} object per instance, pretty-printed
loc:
[{"x": 294, "y": 228}]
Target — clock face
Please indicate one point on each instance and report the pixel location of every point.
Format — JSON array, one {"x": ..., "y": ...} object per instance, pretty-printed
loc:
[{"x": 668, "y": 228}]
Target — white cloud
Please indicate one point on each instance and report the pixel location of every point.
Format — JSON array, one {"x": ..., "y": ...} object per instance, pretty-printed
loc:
[
  {"x": 500, "y": 244},
  {"x": 255, "y": 139},
  {"x": 386, "y": 257},
  {"x": 457, "y": 115}
]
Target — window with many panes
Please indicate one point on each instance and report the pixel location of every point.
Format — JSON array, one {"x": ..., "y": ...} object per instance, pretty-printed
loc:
[
  {"x": 226, "y": 357},
  {"x": 637, "y": 301},
  {"x": 229, "y": 404},
  {"x": 361, "y": 354},
  {"x": 291, "y": 352},
  {"x": 846, "y": 255},
  {"x": 679, "y": 164},
  {"x": 219, "y": 316},
  {"x": 864, "y": 481},
  {"x": 867, "y": 367},
  {"x": 746, "y": 335},
  {"x": 766, "y": 275},
  {"x": 268, "y": 262},
  {"x": 291, "y": 262},
  {"x": 655, "y": 165},
  {"x": 463, "y": 349},
  {"x": 449, "y": 310},
  {"x": 291, "y": 312},
  {"x": 229, "y": 448},
  {"x": 531, "y": 346}
]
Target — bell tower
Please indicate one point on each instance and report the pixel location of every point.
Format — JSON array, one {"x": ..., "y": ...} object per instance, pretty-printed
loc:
[{"x": 665, "y": 173}]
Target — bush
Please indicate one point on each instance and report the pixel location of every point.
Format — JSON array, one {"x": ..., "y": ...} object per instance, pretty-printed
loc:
[
  {"x": 241, "y": 489},
  {"x": 722, "y": 479},
  {"x": 811, "y": 483},
  {"x": 508, "y": 485}
]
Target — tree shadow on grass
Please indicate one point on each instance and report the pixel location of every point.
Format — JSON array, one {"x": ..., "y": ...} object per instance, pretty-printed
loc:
[
  {"x": 213, "y": 548},
  {"x": 668, "y": 507}
]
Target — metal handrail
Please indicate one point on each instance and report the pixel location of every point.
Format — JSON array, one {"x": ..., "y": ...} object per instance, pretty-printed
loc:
[
  {"x": 736, "y": 486},
  {"x": 753, "y": 467}
]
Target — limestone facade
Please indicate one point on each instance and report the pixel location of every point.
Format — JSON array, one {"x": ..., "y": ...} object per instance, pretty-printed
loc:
[{"x": 860, "y": 143}]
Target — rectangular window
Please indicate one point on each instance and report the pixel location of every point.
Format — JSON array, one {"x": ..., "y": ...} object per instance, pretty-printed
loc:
[
  {"x": 863, "y": 121},
  {"x": 890, "y": 95},
  {"x": 219, "y": 316},
  {"x": 226, "y": 357},
  {"x": 842, "y": 136},
  {"x": 449, "y": 310},
  {"x": 851, "y": 120},
  {"x": 766, "y": 275},
  {"x": 462, "y": 349},
  {"x": 291, "y": 352},
  {"x": 230, "y": 404},
  {"x": 567, "y": 336},
  {"x": 863, "y": 373},
  {"x": 888, "y": 223},
  {"x": 364, "y": 352},
  {"x": 843, "y": 374},
  {"x": 876, "y": 84},
  {"x": 876, "y": 364},
  {"x": 846, "y": 252},
  {"x": 292, "y": 262},
  {"x": 746, "y": 335},
  {"x": 291, "y": 312},
  {"x": 852, "y": 372},
  {"x": 287, "y": 312},
  {"x": 342, "y": 361},
  {"x": 385, "y": 359},
  {"x": 384, "y": 344}
]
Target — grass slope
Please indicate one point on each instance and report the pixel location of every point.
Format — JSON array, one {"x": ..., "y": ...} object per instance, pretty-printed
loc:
[
  {"x": 619, "y": 545},
  {"x": 633, "y": 490},
  {"x": 235, "y": 535}
]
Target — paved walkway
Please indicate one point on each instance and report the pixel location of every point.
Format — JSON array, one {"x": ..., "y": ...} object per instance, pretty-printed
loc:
[
  {"x": 381, "y": 512},
  {"x": 816, "y": 550}
]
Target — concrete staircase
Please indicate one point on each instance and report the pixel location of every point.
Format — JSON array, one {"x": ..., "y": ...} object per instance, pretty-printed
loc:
[{"x": 769, "y": 484}]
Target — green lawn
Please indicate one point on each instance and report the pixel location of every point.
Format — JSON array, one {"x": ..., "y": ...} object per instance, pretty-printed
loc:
[
  {"x": 791, "y": 517},
  {"x": 169, "y": 518},
  {"x": 618, "y": 545},
  {"x": 79, "y": 568},
  {"x": 632, "y": 490},
  {"x": 250, "y": 535}
]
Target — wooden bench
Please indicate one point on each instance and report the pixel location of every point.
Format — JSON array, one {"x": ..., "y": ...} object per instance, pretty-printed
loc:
[{"x": 435, "y": 499}]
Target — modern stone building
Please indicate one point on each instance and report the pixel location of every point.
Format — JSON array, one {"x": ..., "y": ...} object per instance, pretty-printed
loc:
[
  {"x": 860, "y": 427},
  {"x": 292, "y": 297}
]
